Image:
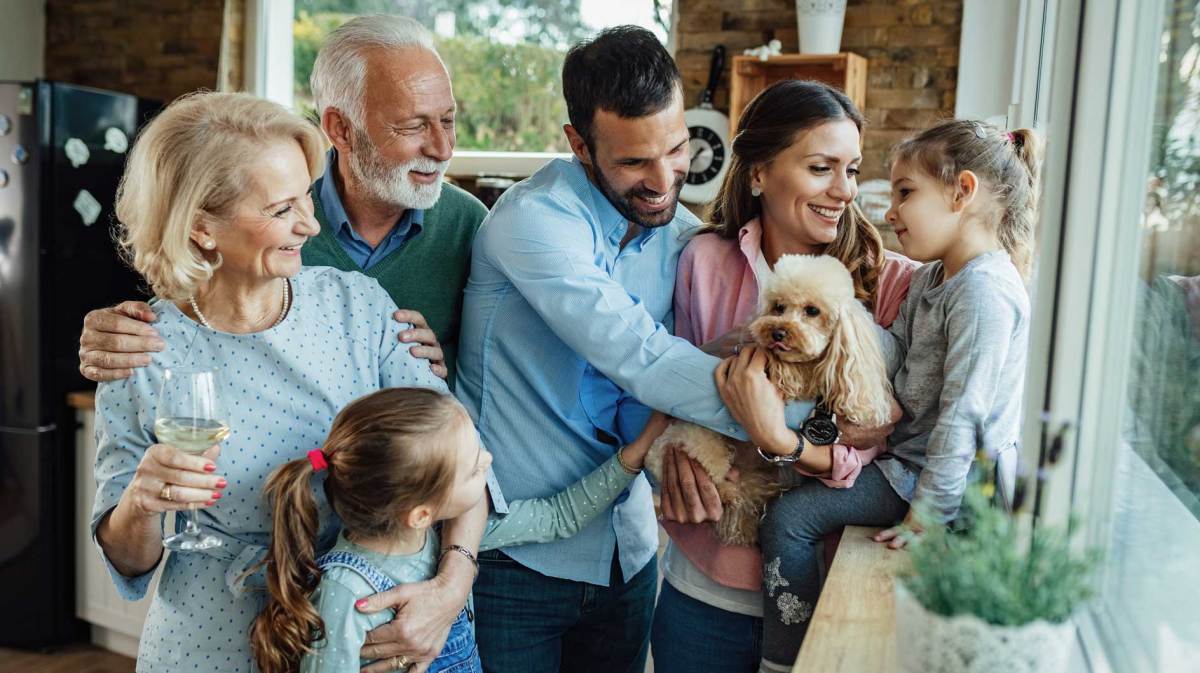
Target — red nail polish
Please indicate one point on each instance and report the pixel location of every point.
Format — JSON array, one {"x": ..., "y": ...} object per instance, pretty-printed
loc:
[
  {"x": 216, "y": 495},
  {"x": 209, "y": 467},
  {"x": 221, "y": 483},
  {"x": 360, "y": 603},
  {"x": 210, "y": 503}
]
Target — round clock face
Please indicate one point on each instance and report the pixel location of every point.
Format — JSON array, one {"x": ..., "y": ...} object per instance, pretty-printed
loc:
[{"x": 707, "y": 153}]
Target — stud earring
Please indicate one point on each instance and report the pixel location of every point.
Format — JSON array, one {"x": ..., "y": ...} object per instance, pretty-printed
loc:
[
  {"x": 210, "y": 244},
  {"x": 755, "y": 191}
]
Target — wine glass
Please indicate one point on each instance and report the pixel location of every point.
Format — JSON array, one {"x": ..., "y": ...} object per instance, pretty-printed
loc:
[{"x": 190, "y": 417}]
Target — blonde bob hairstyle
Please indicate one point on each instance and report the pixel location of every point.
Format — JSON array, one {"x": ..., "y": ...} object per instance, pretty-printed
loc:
[{"x": 189, "y": 164}]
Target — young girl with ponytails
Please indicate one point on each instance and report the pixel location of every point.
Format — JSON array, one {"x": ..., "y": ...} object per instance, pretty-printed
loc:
[
  {"x": 964, "y": 197},
  {"x": 396, "y": 462}
]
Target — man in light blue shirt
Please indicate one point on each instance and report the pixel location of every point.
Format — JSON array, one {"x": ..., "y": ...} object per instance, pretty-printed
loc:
[{"x": 566, "y": 343}]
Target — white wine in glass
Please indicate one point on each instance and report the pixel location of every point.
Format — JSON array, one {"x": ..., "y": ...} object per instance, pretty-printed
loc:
[
  {"x": 190, "y": 435},
  {"x": 190, "y": 417}
]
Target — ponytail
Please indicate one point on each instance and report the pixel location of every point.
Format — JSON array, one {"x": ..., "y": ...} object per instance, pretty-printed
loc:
[
  {"x": 1018, "y": 223},
  {"x": 283, "y": 631}
]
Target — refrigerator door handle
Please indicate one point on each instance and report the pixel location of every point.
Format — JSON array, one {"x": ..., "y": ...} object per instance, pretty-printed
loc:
[{"x": 30, "y": 431}]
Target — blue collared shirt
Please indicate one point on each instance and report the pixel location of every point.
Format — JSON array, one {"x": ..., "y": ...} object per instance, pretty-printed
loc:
[
  {"x": 565, "y": 336},
  {"x": 360, "y": 251}
]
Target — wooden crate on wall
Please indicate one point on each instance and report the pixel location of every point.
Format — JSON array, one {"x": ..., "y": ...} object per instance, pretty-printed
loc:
[{"x": 750, "y": 75}]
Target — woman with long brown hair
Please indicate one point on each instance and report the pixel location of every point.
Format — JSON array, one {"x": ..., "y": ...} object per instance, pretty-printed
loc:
[{"x": 790, "y": 189}]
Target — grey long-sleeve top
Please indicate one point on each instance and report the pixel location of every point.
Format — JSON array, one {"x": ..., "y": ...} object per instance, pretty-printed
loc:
[{"x": 956, "y": 356}]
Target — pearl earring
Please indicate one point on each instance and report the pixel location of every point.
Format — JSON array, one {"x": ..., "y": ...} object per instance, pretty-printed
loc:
[
  {"x": 210, "y": 244},
  {"x": 755, "y": 191}
]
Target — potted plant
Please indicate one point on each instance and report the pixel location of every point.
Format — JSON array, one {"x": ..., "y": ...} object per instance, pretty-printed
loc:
[{"x": 978, "y": 597}]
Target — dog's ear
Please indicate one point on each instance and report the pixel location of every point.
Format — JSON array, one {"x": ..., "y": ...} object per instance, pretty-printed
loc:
[{"x": 852, "y": 372}]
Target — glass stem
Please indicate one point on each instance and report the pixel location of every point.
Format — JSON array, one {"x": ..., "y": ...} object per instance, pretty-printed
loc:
[{"x": 189, "y": 523}]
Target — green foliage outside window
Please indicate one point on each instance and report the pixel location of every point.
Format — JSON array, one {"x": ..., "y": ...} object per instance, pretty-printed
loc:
[{"x": 509, "y": 94}]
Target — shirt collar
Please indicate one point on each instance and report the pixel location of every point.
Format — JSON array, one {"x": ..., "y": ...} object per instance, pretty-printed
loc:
[
  {"x": 335, "y": 212},
  {"x": 750, "y": 240}
]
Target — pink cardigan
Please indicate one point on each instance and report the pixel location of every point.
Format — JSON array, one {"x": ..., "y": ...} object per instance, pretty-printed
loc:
[{"x": 715, "y": 290}]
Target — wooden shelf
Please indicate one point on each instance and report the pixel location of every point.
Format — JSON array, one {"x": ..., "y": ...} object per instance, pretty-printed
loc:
[{"x": 845, "y": 71}]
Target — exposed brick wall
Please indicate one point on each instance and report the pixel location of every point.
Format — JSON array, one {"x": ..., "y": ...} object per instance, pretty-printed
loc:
[
  {"x": 159, "y": 49},
  {"x": 911, "y": 46}
]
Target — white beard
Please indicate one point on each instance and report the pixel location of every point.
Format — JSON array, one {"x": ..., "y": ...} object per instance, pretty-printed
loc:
[{"x": 391, "y": 184}]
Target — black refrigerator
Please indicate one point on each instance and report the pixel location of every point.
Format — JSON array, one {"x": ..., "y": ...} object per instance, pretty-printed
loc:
[{"x": 62, "y": 151}]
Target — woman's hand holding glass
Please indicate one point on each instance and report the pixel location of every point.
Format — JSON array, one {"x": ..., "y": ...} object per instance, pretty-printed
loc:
[{"x": 169, "y": 480}]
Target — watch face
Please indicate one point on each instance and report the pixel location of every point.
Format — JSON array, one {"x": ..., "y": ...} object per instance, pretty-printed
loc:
[
  {"x": 820, "y": 431},
  {"x": 707, "y": 153}
]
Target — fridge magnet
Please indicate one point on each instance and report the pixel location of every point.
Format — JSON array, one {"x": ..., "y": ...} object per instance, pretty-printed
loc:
[
  {"x": 115, "y": 140},
  {"x": 77, "y": 152},
  {"x": 88, "y": 207}
]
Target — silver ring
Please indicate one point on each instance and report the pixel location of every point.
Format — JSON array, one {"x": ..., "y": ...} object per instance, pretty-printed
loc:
[{"x": 737, "y": 348}]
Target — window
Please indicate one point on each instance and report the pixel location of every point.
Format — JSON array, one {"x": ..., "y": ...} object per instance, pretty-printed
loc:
[
  {"x": 1115, "y": 361},
  {"x": 504, "y": 56}
]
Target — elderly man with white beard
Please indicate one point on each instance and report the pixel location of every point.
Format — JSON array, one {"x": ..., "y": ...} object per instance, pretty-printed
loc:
[{"x": 386, "y": 105}]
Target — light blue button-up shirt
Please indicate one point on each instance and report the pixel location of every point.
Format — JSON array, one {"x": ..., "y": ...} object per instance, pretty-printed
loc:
[
  {"x": 363, "y": 254},
  {"x": 565, "y": 336}
]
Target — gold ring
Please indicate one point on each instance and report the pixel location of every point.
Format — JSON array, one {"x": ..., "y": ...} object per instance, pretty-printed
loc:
[
  {"x": 165, "y": 493},
  {"x": 400, "y": 662}
]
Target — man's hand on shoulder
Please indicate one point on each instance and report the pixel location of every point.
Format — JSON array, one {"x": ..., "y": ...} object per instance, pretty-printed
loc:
[
  {"x": 427, "y": 346},
  {"x": 117, "y": 339}
]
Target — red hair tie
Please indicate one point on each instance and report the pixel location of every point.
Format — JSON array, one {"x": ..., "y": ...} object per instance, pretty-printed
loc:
[{"x": 317, "y": 458}]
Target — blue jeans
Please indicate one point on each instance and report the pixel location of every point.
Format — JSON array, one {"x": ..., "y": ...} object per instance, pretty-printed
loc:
[
  {"x": 527, "y": 622},
  {"x": 459, "y": 654},
  {"x": 690, "y": 635},
  {"x": 788, "y": 535}
]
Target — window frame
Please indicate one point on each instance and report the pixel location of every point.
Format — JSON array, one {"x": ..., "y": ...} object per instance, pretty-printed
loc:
[
  {"x": 1093, "y": 88},
  {"x": 268, "y": 73}
]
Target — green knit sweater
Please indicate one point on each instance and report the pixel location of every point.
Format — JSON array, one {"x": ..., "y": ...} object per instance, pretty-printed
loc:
[{"x": 426, "y": 274}]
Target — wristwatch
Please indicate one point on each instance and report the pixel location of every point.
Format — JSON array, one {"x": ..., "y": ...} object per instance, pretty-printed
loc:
[{"x": 819, "y": 429}]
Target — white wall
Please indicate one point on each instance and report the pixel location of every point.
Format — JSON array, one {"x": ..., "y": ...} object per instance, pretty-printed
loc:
[
  {"x": 986, "y": 54},
  {"x": 22, "y": 39}
]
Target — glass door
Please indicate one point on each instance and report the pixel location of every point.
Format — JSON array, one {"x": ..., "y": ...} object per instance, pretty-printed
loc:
[{"x": 1115, "y": 356}]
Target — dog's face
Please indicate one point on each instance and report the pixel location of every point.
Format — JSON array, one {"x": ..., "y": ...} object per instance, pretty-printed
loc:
[
  {"x": 799, "y": 307},
  {"x": 796, "y": 324}
]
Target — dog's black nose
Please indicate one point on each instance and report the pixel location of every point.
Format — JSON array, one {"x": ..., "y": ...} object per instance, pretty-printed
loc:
[{"x": 779, "y": 335}]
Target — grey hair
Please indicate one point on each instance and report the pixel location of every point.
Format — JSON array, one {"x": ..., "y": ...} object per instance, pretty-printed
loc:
[{"x": 340, "y": 70}]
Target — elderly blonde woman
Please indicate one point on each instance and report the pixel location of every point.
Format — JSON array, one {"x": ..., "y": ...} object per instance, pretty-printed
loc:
[{"x": 215, "y": 206}]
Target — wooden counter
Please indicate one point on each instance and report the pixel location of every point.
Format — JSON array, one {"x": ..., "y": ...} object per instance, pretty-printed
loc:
[
  {"x": 853, "y": 628},
  {"x": 84, "y": 400}
]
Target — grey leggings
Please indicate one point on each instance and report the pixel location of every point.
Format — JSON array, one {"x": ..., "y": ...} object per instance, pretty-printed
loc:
[{"x": 788, "y": 535}]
